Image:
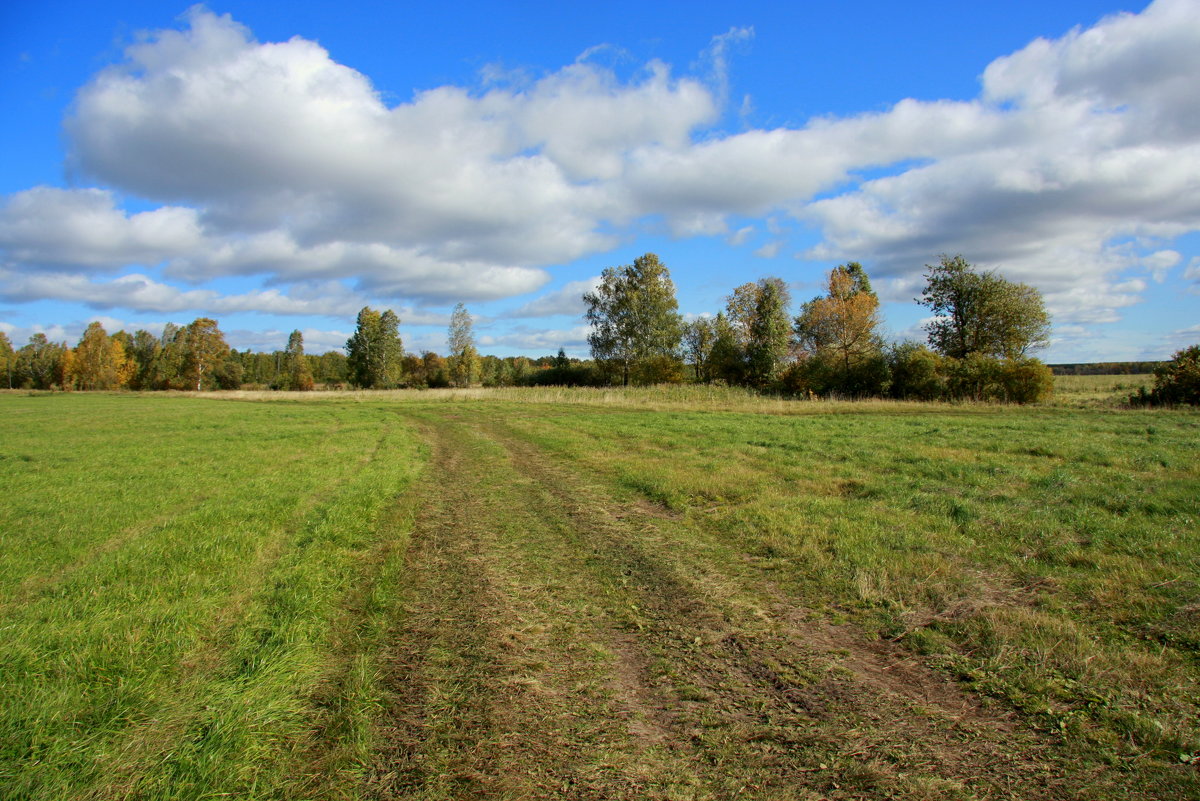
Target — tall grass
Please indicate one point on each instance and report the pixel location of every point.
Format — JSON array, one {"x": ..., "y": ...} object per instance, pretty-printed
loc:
[
  {"x": 1099, "y": 391},
  {"x": 172, "y": 574}
]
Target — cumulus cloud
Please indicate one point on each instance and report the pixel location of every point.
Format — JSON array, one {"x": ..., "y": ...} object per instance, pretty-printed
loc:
[
  {"x": 540, "y": 340},
  {"x": 142, "y": 293},
  {"x": 1096, "y": 144},
  {"x": 1073, "y": 170},
  {"x": 568, "y": 301},
  {"x": 378, "y": 269},
  {"x": 48, "y": 228},
  {"x": 196, "y": 116}
]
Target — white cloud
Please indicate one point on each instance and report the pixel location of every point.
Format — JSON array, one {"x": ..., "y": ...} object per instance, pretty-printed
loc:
[
  {"x": 1099, "y": 145},
  {"x": 1160, "y": 263},
  {"x": 568, "y": 301},
  {"x": 1193, "y": 270},
  {"x": 315, "y": 340},
  {"x": 542, "y": 341},
  {"x": 196, "y": 116},
  {"x": 142, "y": 293},
  {"x": 379, "y": 269},
  {"x": 769, "y": 250},
  {"x": 1073, "y": 170},
  {"x": 1184, "y": 337},
  {"x": 48, "y": 228},
  {"x": 741, "y": 236}
]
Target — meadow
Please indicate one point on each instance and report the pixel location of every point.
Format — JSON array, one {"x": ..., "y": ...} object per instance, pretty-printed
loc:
[{"x": 677, "y": 593}]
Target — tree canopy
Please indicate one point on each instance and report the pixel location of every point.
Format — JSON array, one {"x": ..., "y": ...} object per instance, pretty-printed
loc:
[
  {"x": 636, "y": 326},
  {"x": 297, "y": 374},
  {"x": 768, "y": 332},
  {"x": 464, "y": 358},
  {"x": 843, "y": 324},
  {"x": 982, "y": 313},
  {"x": 374, "y": 352},
  {"x": 100, "y": 360},
  {"x": 205, "y": 349}
]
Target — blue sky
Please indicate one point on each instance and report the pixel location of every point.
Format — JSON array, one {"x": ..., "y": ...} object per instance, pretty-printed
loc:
[{"x": 278, "y": 165}]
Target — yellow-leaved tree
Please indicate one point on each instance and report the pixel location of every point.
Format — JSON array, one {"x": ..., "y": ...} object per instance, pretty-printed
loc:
[{"x": 99, "y": 361}]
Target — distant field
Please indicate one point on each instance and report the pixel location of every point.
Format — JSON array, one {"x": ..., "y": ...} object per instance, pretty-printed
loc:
[
  {"x": 1097, "y": 390},
  {"x": 678, "y": 594}
]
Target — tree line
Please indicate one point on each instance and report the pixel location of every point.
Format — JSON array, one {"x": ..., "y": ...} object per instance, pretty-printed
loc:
[
  {"x": 979, "y": 345},
  {"x": 197, "y": 357},
  {"x": 982, "y": 333}
]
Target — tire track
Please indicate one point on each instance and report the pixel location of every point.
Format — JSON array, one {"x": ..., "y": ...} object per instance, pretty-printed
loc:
[{"x": 560, "y": 644}]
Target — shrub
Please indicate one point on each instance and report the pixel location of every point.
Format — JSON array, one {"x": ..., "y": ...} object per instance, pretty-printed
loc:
[
  {"x": 1025, "y": 381},
  {"x": 825, "y": 375},
  {"x": 1175, "y": 382},
  {"x": 656, "y": 370},
  {"x": 986, "y": 378},
  {"x": 916, "y": 373}
]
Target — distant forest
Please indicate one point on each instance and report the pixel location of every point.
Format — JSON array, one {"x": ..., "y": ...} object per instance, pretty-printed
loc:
[{"x": 1105, "y": 368}]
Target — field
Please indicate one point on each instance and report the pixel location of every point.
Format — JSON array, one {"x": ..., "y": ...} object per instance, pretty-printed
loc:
[{"x": 667, "y": 594}]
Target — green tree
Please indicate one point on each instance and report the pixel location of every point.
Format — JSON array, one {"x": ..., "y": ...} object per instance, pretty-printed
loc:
[
  {"x": 170, "y": 365},
  {"x": 8, "y": 360},
  {"x": 464, "y": 360},
  {"x": 699, "y": 336},
  {"x": 1176, "y": 381},
  {"x": 374, "y": 352},
  {"x": 739, "y": 311},
  {"x": 205, "y": 350},
  {"x": 40, "y": 363},
  {"x": 727, "y": 360},
  {"x": 636, "y": 327},
  {"x": 436, "y": 374},
  {"x": 769, "y": 333},
  {"x": 143, "y": 352},
  {"x": 299, "y": 377},
  {"x": 330, "y": 367},
  {"x": 982, "y": 313}
]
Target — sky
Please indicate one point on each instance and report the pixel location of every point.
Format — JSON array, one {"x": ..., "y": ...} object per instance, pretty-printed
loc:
[{"x": 280, "y": 165}]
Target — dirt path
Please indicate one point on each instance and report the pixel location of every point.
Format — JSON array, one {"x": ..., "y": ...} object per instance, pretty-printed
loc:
[{"x": 557, "y": 643}]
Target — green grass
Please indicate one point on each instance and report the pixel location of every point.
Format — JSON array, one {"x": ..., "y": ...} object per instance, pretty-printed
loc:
[
  {"x": 1097, "y": 390},
  {"x": 208, "y": 596},
  {"x": 1052, "y": 557},
  {"x": 174, "y": 576}
]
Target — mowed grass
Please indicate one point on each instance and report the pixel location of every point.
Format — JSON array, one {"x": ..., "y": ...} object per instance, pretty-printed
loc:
[
  {"x": 183, "y": 595},
  {"x": 199, "y": 593}
]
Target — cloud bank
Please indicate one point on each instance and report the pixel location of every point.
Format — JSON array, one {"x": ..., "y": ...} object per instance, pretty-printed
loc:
[{"x": 1074, "y": 168}]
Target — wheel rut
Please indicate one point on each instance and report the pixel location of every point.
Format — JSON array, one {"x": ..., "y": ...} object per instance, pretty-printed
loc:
[{"x": 560, "y": 643}]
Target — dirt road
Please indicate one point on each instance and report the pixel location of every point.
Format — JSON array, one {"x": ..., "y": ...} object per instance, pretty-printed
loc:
[{"x": 559, "y": 641}]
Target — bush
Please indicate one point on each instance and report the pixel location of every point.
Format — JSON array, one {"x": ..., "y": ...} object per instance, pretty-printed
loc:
[
  {"x": 1025, "y": 381},
  {"x": 916, "y": 373},
  {"x": 826, "y": 376},
  {"x": 571, "y": 375},
  {"x": 1175, "y": 382},
  {"x": 986, "y": 378},
  {"x": 656, "y": 370}
]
